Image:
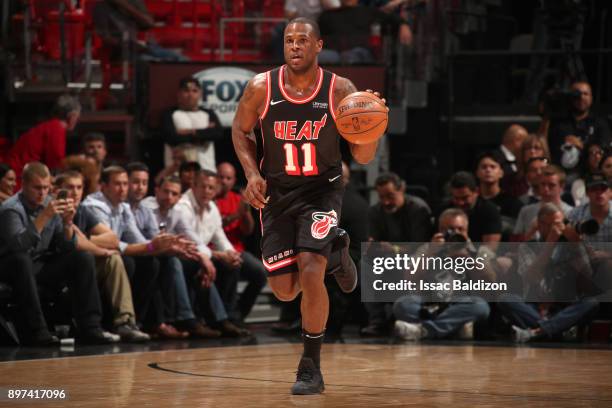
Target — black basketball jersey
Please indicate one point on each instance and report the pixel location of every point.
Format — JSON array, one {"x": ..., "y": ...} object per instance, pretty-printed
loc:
[{"x": 300, "y": 141}]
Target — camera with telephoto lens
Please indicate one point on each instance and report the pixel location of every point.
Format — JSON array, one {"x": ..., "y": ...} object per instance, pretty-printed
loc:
[
  {"x": 451, "y": 236},
  {"x": 588, "y": 227}
]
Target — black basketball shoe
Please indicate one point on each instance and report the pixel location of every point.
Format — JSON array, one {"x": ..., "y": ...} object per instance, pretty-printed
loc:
[
  {"x": 341, "y": 263},
  {"x": 309, "y": 379}
]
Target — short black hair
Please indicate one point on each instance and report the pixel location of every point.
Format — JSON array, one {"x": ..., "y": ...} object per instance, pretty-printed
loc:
[
  {"x": 489, "y": 154},
  {"x": 109, "y": 171},
  {"x": 94, "y": 137},
  {"x": 189, "y": 166},
  {"x": 463, "y": 179},
  {"x": 136, "y": 166},
  {"x": 389, "y": 177},
  {"x": 305, "y": 20},
  {"x": 4, "y": 168},
  {"x": 183, "y": 82}
]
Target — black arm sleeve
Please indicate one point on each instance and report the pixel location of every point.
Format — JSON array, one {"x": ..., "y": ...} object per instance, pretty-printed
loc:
[
  {"x": 171, "y": 136},
  {"x": 214, "y": 132}
]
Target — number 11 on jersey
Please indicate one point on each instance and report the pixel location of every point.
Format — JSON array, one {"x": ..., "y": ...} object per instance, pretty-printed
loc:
[{"x": 292, "y": 166}]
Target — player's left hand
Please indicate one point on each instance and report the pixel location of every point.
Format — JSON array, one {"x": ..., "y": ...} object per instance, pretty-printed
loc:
[
  {"x": 378, "y": 95},
  {"x": 255, "y": 192}
]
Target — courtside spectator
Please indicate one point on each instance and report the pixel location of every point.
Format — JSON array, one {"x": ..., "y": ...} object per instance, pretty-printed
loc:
[
  {"x": 198, "y": 209},
  {"x": 238, "y": 223},
  {"x": 38, "y": 249},
  {"x": 451, "y": 319},
  {"x": 99, "y": 240},
  {"x": 172, "y": 301},
  {"x": 138, "y": 253},
  {"x": 550, "y": 269}
]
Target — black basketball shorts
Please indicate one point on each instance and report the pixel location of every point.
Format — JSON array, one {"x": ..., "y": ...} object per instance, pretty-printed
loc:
[{"x": 304, "y": 219}]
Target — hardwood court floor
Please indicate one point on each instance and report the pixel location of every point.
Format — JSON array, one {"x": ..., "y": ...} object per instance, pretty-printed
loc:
[{"x": 357, "y": 375}]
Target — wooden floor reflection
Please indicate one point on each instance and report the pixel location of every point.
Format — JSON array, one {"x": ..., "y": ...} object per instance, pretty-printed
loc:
[{"x": 356, "y": 376}]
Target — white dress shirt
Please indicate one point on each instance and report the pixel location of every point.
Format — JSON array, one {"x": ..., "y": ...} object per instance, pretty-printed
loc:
[{"x": 206, "y": 222}]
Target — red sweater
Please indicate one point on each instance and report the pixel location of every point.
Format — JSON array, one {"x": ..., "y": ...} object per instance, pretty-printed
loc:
[
  {"x": 229, "y": 205},
  {"x": 45, "y": 142}
]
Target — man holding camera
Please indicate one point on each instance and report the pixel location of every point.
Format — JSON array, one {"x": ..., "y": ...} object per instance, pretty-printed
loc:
[
  {"x": 598, "y": 208},
  {"x": 598, "y": 238},
  {"x": 38, "y": 248},
  {"x": 552, "y": 271},
  {"x": 414, "y": 321},
  {"x": 580, "y": 128}
]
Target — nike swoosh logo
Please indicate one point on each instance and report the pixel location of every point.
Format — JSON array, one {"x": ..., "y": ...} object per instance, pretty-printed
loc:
[
  {"x": 275, "y": 102},
  {"x": 335, "y": 178}
]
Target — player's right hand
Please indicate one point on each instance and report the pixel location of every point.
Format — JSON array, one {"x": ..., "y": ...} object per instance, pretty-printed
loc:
[{"x": 255, "y": 192}]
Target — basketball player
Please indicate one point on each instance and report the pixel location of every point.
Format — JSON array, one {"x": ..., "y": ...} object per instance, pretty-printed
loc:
[{"x": 297, "y": 185}]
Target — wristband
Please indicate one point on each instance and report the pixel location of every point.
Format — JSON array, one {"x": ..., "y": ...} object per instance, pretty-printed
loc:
[{"x": 150, "y": 246}]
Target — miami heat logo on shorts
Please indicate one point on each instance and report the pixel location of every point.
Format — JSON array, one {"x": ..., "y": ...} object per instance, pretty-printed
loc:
[{"x": 323, "y": 223}]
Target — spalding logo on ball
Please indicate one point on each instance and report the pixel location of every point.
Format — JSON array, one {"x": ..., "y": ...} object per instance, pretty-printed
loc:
[{"x": 362, "y": 118}]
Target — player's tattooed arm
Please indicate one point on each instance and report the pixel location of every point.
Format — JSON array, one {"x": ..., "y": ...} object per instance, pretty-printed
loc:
[
  {"x": 342, "y": 88},
  {"x": 250, "y": 107},
  {"x": 361, "y": 153}
]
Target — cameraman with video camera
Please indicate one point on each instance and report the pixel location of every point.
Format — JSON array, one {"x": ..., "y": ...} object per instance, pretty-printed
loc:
[
  {"x": 418, "y": 320},
  {"x": 568, "y": 136},
  {"x": 554, "y": 270}
]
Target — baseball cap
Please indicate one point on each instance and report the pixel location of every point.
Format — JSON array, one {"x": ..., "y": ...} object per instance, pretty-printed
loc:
[{"x": 596, "y": 179}]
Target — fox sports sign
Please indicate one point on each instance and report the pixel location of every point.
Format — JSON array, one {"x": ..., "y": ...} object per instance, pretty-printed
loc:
[{"x": 222, "y": 88}]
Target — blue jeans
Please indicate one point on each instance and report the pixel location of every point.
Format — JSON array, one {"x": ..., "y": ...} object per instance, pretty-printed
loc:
[
  {"x": 211, "y": 306},
  {"x": 470, "y": 309},
  {"x": 175, "y": 292},
  {"x": 255, "y": 274},
  {"x": 525, "y": 315}
]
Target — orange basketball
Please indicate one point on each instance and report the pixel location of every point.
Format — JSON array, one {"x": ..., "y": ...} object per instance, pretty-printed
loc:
[{"x": 361, "y": 117}]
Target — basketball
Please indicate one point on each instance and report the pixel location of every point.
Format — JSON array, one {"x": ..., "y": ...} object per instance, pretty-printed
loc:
[{"x": 361, "y": 118}]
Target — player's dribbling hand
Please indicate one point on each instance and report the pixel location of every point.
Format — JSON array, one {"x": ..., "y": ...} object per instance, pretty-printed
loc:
[
  {"x": 255, "y": 192},
  {"x": 378, "y": 95}
]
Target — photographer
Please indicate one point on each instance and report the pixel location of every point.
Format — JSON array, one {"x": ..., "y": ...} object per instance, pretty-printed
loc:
[
  {"x": 415, "y": 321},
  {"x": 598, "y": 237},
  {"x": 553, "y": 271},
  {"x": 580, "y": 128}
]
